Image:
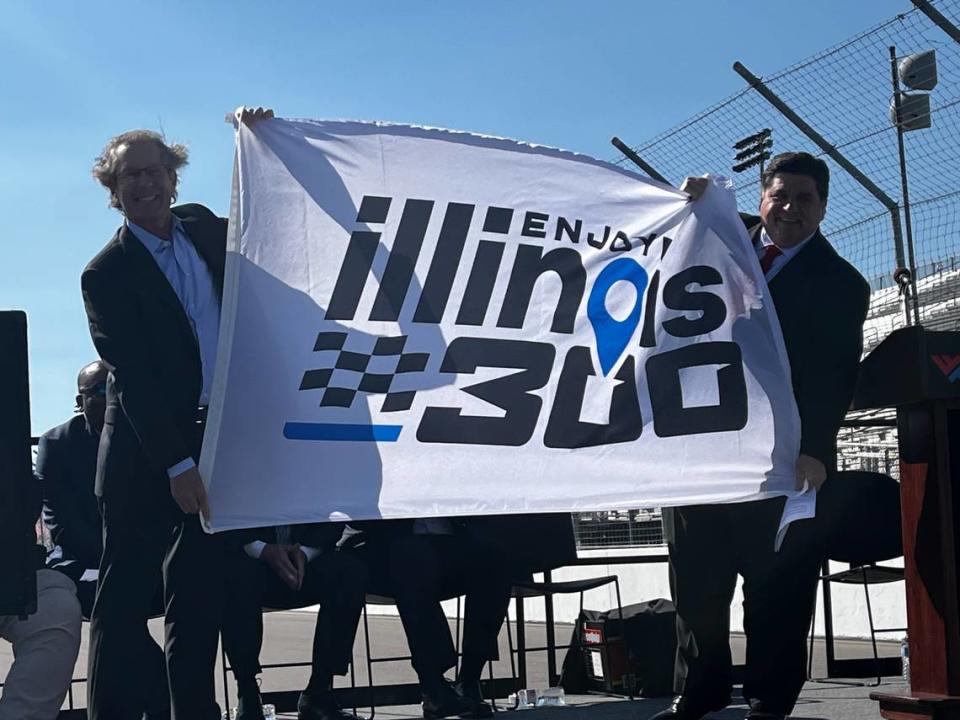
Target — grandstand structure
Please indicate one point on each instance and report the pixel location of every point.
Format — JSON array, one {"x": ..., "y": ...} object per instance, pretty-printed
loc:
[{"x": 844, "y": 94}]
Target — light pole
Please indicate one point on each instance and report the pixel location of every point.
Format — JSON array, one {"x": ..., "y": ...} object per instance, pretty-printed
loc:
[{"x": 908, "y": 112}]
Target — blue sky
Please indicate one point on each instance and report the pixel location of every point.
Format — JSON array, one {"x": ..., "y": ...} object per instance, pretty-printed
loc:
[{"x": 567, "y": 74}]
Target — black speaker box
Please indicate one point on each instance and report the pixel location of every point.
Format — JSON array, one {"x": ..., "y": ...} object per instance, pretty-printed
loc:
[
  {"x": 19, "y": 493},
  {"x": 630, "y": 655}
]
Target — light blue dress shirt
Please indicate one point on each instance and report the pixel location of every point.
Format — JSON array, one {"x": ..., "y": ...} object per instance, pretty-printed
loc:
[{"x": 192, "y": 282}]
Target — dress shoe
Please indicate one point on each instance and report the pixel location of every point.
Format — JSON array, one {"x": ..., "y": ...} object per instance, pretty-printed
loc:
[
  {"x": 683, "y": 708},
  {"x": 470, "y": 691},
  {"x": 444, "y": 701},
  {"x": 249, "y": 705},
  {"x": 321, "y": 706}
]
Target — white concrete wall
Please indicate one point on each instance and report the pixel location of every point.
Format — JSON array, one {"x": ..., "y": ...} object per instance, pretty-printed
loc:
[{"x": 640, "y": 582}]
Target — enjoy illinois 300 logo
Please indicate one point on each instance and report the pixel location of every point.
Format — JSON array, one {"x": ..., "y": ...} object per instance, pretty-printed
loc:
[{"x": 544, "y": 244}]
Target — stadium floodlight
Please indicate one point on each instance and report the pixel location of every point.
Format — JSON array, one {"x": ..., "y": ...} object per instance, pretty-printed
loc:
[
  {"x": 752, "y": 139},
  {"x": 752, "y": 150},
  {"x": 744, "y": 154}
]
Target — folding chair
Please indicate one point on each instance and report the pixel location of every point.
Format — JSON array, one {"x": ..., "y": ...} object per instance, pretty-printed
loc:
[
  {"x": 860, "y": 513},
  {"x": 547, "y": 589}
]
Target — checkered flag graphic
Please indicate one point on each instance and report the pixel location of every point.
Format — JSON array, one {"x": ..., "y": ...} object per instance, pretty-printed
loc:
[{"x": 373, "y": 373}]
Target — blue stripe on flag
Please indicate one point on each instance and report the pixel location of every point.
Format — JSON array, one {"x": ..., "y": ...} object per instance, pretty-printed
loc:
[{"x": 341, "y": 431}]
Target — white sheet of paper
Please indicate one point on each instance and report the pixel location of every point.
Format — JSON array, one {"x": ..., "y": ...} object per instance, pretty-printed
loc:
[{"x": 802, "y": 506}]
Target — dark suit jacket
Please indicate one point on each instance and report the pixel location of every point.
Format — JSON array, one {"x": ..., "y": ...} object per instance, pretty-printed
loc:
[
  {"x": 143, "y": 335},
  {"x": 66, "y": 467},
  {"x": 821, "y": 302},
  {"x": 533, "y": 543},
  {"x": 529, "y": 543}
]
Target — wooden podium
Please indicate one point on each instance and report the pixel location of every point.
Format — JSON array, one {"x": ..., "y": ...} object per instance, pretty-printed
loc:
[{"x": 917, "y": 371}]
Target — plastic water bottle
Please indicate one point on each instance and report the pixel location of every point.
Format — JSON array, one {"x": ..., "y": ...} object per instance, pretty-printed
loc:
[
  {"x": 551, "y": 696},
  {"x": 269, "y": 712},
  {"x": 905, "y": 659},
  {"x": 526, "y": 698}
]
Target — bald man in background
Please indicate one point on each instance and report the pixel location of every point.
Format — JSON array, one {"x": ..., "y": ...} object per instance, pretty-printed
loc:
[{"x": 66, "y": 469}]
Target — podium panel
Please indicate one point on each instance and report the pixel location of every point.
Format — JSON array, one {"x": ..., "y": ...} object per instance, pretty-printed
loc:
[
  {"x": 917, "y": 372},
  {"x": 18, "y": 542}
]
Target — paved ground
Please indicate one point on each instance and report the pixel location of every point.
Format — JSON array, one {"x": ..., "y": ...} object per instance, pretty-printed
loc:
[{"x": 288, "y": 636}]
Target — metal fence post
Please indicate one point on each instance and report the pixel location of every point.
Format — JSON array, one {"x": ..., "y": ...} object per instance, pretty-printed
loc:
[
  {"x": 938, "y": 18},
  {"x": 632, "y": 155}
]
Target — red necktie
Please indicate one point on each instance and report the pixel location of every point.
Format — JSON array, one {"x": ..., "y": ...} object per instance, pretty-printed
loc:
[{"x": 770, "y": 253}]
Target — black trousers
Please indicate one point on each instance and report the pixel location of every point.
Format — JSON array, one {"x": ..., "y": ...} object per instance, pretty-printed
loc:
[
  {"x": 336, "y": 580},
  {"x": 709, "y": 546},
  {"x": 87, "y": 593},
  {"x": 141, "y": 534},
  {"x": 420, "y": 570}
]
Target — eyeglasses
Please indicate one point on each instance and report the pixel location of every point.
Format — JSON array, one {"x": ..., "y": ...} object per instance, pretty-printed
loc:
[
  {"x": 151, "y": 172},
  {"x": 98, "y": 389}
]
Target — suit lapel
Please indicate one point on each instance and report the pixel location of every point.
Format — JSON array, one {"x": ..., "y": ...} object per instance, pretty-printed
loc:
[
  {"x": 153, "y": 279},
  {"x": 194, "y": 230},
  {"x": 784, "y": 285},
  {"x": 803, "y": 263}
]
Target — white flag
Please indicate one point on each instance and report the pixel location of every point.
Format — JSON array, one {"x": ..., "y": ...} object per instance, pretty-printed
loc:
[{"x": 419, "y": 322}]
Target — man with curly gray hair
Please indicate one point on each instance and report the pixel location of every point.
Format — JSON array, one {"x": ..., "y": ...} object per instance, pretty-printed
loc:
[
  {"x": 152, "y": 298},
  {"x": 172, "y": 157}
]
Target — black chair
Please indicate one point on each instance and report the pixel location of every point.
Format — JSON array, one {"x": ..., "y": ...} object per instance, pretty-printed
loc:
[
  {"x": 492, "y": 687},
  {"x": 860, "y": 516},
  {"x": 286, "y": 700},
  {"x": 409, "y": 693},
  {"x": 354, "y": 696},
  {"x": 406, "y": 694},
  {"x": 547, "y": 589}
]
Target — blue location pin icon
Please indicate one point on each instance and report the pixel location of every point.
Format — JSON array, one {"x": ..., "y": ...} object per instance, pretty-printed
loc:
[{"x": 612, "y": 334}]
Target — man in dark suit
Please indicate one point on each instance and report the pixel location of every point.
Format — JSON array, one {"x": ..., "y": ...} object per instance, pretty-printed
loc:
[
  {"x": 821, "y": 302},
  {"x": 420, "y": 562},
  {"x": 287, "y": 567},
  {"x": 66, "y": 466},
  {"x": 152, "y": 297}
]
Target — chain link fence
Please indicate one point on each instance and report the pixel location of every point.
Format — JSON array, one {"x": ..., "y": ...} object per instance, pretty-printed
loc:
[
  {"x": 844, "y": 93},
  {"x": 630, "y": 528}
]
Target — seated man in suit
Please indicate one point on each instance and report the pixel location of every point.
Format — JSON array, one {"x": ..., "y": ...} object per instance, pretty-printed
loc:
[
  {"x": 287, "y": 567},
  {"x": 66, "y": 470},
  {"x": 45, "y": 643},
  {"x": 420, "y": 562}
]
